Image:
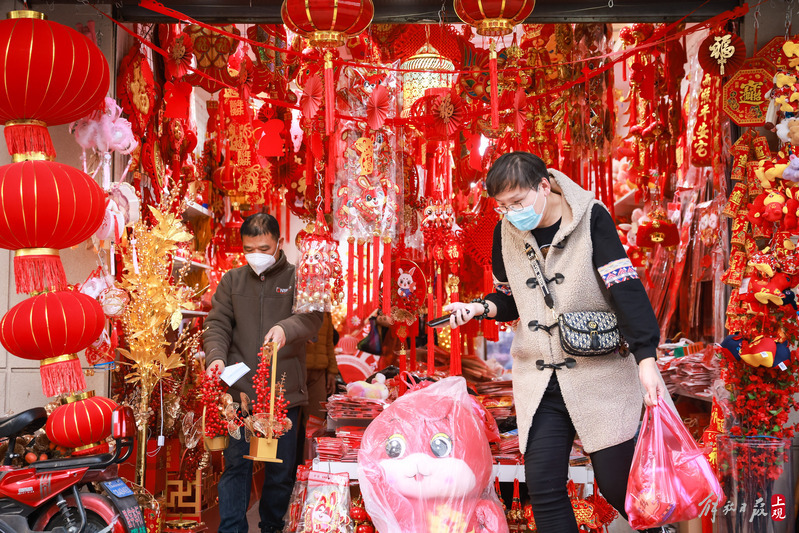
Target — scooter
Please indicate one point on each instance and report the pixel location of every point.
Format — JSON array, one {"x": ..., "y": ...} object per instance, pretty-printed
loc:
[{"x": 72, "y": 495}]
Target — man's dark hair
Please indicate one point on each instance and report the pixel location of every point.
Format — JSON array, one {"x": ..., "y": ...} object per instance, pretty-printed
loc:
[
  {"x": 515, "y": 170},
  {"x": 260, "y": 224}
]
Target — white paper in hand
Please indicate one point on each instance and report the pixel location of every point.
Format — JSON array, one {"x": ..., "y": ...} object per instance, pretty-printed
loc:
[{"x": 231, "y": 374}]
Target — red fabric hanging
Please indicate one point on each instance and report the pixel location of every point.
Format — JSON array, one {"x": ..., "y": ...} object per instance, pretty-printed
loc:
[
  {"x": 387, "y": 276},
  {"x": 350, "y": 282},
  {"x": 376, "y": 271},
  {"x": 431, "y": 355},
  {"x": 492, "y": 67},
  {"x": 454, "y": 344},
  {"x": 413, "y": 347},
  {"x": 330, "y": 89}
]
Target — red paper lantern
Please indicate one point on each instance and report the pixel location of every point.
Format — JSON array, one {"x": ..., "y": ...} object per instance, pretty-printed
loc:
[
  {"x": 83, "y": 422},
  {"x": 52, "y": 75},
  {"x": 50, "y": 328},
  {"x": 46, "y": 206},
  {"x": 327, "y": 23},
  {"x": 493, "y": 18}
]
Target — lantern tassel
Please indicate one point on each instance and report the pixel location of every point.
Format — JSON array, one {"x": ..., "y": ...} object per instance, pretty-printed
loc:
[
  {"x": 375, "y": 270},
  {"x": 28, "y": 137},
  {"x": 387, "y": 276},
  {"x": 330, "y": 171},
  {"x": 455, "y": 342},
  {"x": 39, "y": 270},
  {"x": 330, "y": 112},
  {"x": 492, "y": 67},
  {"x": 490, "y": 329},
  {"x": 350, "y": 284},
  {"x": 412, "y": 338},
  {"x": 431, "y": 334},
  {"x": 61, "y": 375}
]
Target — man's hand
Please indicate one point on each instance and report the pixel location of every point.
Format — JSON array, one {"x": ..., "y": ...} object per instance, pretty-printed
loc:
[
  {"x": 331, "y": 383},
  {"x": 649, "y": 375},
  {"x": 216, "y": 364},
  {"x": 276, "y": 335}
]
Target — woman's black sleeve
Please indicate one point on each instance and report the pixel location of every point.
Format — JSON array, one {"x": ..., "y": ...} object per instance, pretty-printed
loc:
[
  {"x": 637, "y": 321},
  {"x": 506, "y": 305}
]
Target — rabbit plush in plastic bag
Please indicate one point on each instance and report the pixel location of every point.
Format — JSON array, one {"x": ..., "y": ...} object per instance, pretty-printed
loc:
[
  {"x": 425, "y": 465},
  {"x": 670, "y": 478}
]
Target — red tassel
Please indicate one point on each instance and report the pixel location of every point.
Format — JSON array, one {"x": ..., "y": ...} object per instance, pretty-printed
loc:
[
  {"x": 403, "y": 364},
  {"x": 367, "y": 280},
  {"x": 330, "y": 171},
  {"x": 330, "y": 111},
  {"x": 431, "y": 356},
  {"x": 387, "y": 276},
  {"x": 28, "y": 137},
  {"x": 288, "y": 219},
  {"x": 61, "y": 375},
  {"x": 39, "y": 270},
  {"x": 413, "y": 347},
  {"x": 350, "y": 284},
  {"x": 492, "y": 67},
  {"x": 454, "y": 345},
  {"x": 439, "y": 291},
  {"x": 490, "y": 329},
  {"x": 376, "y": 271}
]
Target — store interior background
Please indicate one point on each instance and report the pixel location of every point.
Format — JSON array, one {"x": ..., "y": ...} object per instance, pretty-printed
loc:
[{"x": 21, "y": 385}]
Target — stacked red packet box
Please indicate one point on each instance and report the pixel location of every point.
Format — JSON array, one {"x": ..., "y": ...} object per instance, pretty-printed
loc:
[
  {"x": 341, "y": 406},
  {"x": 506, "y": 451},
  {"x": 497, "y": 398}
]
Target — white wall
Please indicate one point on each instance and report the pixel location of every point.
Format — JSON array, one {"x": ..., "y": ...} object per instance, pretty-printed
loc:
[{"x": 19, "y": 379}]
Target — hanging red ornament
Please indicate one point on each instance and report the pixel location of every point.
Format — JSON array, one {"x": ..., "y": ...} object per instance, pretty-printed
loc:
[
  {"x": 51, "y": 328},
  {"x": 493, "y": 18},
  {"x": 52, "y": 75},
  {"x": 327, "y": 23},
  {"x": 722, "y": 53},
  {"x": 46, "y": 206},
  {"x": 82, "y": 422}
]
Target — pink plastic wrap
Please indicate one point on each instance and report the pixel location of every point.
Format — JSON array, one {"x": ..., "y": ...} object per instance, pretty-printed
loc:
[
  {"x": 425, "y": 464},
  {"x": 670, "y": 479}
]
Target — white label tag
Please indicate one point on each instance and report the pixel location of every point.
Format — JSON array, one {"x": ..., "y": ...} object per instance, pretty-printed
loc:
[{"x": 233, "y": 373}]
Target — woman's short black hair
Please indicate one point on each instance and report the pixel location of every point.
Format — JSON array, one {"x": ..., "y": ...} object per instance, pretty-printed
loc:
[
  {"x": 260, "y": 224},
  {"x": 515, "y": 170}
]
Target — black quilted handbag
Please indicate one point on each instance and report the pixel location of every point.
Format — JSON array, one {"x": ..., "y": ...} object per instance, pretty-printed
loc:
[{"x": 588, "y": 333}]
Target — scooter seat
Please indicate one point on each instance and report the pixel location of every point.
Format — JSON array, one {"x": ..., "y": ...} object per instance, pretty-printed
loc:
[
  {"x": 24, "y": 422},
  {"x": 18, "y": 524}
]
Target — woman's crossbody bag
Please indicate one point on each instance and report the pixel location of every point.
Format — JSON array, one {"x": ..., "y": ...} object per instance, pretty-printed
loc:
[{"x": 582, "y": 333}]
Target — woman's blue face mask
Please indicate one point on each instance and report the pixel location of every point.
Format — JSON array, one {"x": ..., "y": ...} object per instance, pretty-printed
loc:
[{"x": 527, "y": 219}]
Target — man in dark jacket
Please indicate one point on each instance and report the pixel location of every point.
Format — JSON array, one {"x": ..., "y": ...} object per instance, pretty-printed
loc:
[{"x": 253, "y": 305}]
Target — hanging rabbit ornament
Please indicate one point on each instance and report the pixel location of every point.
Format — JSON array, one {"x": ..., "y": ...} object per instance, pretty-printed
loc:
[
  {"x": 104, "y": 132},
  {"x": 320, "y": 285}
]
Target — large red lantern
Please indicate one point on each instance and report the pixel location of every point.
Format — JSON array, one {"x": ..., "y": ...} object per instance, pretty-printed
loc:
[
  {"x": 52, "y": 75},
  {"x": 50, "y": 328},
  {"x": 327, "y": 23},
  {"x": 83, "y": 422},
  {"x": 46, "y": 206},
  {"x": 493, "y": 18}
]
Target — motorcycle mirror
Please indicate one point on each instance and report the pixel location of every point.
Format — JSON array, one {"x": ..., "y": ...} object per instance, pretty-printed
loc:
[{"x": 123, "y": 423}]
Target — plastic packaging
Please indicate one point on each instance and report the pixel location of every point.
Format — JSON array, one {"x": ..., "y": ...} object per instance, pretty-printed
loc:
[
  {"x": 425, "y": 464},
  {"x": 670, "y": 479}
]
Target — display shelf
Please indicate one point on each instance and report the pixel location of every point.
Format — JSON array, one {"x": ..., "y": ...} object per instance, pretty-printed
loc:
[
  {"x": 506, "y": 473},
  {"x": 194, "y": 211},
  {"x": 179, "y": 262}
]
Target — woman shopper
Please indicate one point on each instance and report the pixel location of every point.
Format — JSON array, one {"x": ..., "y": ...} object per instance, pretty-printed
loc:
[{"x": 551, "y": 221}]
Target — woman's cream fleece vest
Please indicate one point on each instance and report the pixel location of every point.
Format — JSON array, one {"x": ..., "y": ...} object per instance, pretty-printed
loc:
[{"x": 602, "y": 394}]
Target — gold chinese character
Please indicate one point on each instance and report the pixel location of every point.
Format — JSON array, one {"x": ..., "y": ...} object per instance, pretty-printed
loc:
[
  {"x": 751, "y": 92},
  {"x": 701, "y": 133},
  {"x": 722, "y": 50},
  {"x": 236, "y": 108},
  {"x": 704, "y": 111}
]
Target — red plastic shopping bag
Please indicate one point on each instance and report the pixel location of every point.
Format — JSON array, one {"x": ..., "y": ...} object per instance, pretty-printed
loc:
[{"x": 670, "y": 479}]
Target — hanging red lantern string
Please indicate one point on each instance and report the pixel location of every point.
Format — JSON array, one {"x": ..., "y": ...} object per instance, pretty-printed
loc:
[
  {"x": 386, "y": 276},
  {"x": 413, "y": 347},
  {"x": 455, "y": 335},
  {"x": 330, "y": 88},
  {"x": 431, "y": 334},
  {"x": 376, "y": 270},
  {"x": 350, "y": 284},
  {"x": 492, "y": 68}
]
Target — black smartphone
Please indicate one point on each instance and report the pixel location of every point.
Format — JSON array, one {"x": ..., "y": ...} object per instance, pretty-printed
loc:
[{"x": 440, "y": 321}]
